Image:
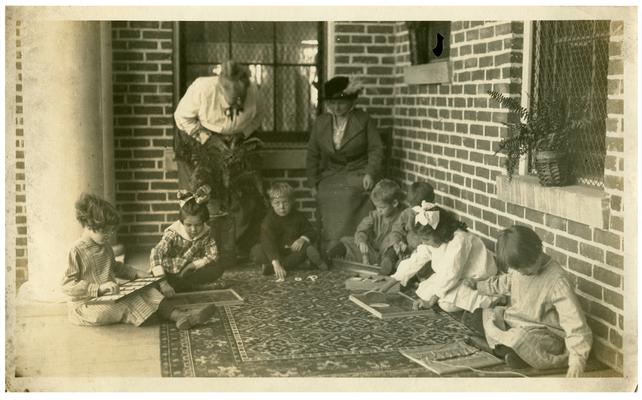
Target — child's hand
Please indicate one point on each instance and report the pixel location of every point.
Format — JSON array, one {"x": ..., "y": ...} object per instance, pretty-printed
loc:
[
  {"x": 279, "y": 271},
  {"x": 203, "y": 136},
  {"x": 298, "y": 244},
  {"x": 400, "y": 248},
  {"x": 142, "y": 274},
  {"x": 368, "y": 182},
  {"x": 422, "y": 304},
  {"x": 108, "y": 288},
  {"x": 166, "y": 289},
  {"x": 363, "y": 247},
  {"x": 188, "y": 269},
  {"x": 471, "y": 283}
]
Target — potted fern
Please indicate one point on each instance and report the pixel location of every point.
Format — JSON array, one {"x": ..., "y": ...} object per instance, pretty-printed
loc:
[{"x": 544, "y": 132}]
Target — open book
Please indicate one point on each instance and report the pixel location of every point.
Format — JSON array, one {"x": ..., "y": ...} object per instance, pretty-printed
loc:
[{"x": 450, "y": 357}]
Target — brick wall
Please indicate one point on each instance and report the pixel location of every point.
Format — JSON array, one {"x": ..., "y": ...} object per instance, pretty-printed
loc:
[
  {"x": 446, "y": 133},
  {"x": 366, "y": 50},
  {"x": 143, "y": 128},
  {"x": 21, "y": 198}
]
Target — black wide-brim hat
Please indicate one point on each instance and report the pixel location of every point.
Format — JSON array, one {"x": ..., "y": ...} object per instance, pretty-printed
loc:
[{"x": 335, "y": 89}]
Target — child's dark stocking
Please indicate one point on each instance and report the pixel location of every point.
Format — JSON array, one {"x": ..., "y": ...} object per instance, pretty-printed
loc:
[
  {"x": 337, "y": 251},
  {"x": 165, "y": 310},
  {"x": 185, "y": 319},
  {"x": 315, "y": 258},
  {"x": 388, "y": 261}
]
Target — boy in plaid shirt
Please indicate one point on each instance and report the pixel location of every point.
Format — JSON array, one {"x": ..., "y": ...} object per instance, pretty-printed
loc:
[{"x": 186, "y": 253}]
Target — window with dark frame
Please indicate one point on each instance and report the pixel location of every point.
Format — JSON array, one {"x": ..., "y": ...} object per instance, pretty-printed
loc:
[
  {"x": 429, "y": 41},
  {"x": 571, "y": 58},
  {"x": 285, "y": 60}
]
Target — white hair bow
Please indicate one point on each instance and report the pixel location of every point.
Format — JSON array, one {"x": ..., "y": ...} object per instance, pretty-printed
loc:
[
  {"x": 426, "y": 215},
  {"x": 200, "y": 196}
]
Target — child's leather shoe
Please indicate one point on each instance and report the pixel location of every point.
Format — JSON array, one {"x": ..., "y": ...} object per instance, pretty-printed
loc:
[{"x": 190, "y": 318}]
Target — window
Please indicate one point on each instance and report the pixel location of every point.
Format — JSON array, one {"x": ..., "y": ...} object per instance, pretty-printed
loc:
[
  {"x": 572, "y": 58},
  {"x": 284, "y": 58},
  {"x": 429, "y": 41},
  {"x": 429, "y": 46}
]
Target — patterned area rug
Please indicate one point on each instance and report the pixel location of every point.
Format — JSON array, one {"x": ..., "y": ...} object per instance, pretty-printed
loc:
[{"x": 300, "y": 328}]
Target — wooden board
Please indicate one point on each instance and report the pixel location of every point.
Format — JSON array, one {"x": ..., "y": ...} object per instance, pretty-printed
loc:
[
  {"x": 126, "y": 289},
  {"x": 451, "y": 357},
  {"x": 364, "y": 269},
  {"x": 220, "y": 297},
  {"x": 388, "y": 305}
]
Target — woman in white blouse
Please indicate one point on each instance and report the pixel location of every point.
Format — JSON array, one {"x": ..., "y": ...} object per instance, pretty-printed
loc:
[{"x": 215, "y": 117}]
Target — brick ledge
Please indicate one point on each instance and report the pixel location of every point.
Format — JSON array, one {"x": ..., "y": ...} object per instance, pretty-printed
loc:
[{"x": 576, "y": 203}]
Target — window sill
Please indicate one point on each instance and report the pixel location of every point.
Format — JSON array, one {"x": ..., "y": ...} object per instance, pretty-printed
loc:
[
  {"x": 576, "y": 203},
  {"x": 436, "y": 72},
  {"x": 283, "y": 158},
  {"x": 291, "y": 157}
]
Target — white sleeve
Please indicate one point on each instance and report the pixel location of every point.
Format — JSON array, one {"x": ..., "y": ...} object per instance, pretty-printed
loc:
[
  {"x": 448, "y": 266},
  {"x": 186, "y": 114},
  {"x": 410, "y": 266}
]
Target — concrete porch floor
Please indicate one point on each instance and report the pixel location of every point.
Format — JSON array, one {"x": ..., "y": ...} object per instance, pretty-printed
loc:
[{"x": 47, "y": 345}]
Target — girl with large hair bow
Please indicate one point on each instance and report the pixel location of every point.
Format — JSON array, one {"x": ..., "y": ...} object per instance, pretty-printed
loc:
[
  {"x": 186, "y": 254},
  {"x": 455, "y": 255}
]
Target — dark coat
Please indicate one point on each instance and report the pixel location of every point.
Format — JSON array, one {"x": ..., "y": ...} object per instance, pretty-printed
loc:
[{"x": 361, "y": 149}]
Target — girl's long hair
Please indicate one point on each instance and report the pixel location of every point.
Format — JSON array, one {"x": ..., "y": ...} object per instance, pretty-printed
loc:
[{"x": 446, "y": 228}]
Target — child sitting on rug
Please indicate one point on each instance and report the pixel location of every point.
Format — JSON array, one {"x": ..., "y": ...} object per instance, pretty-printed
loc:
[
  {"x": 404, "y": 240},
  {"x": 544, "y": 325},
  {"x": 372, "y": 235},
  {"x": 92, "y": 271},
  {"x": 287, "y": 237},
  {"x": 186, "y": 254},
  {"x": 455, "y": 254}
]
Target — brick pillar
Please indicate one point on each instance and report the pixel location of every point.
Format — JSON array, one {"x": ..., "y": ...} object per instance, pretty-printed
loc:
[{"x": 63, "y": 141}]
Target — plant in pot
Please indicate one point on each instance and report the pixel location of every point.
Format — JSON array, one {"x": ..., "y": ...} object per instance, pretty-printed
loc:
[{"x": 544, "y": 132}]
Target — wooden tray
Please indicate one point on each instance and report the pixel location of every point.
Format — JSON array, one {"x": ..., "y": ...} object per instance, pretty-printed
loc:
[
  {"x": 388, "y": 305},
  {"x": 126, "y": 289},
  {"x": 219, "y": 297}
]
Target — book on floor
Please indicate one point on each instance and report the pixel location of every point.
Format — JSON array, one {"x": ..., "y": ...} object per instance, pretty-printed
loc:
[
  {"x": 125, "y": 289},
  {"x": 451, "y": 357},
  {"x": 388, "y": 305},
  {"x": 219, "y": 297}
]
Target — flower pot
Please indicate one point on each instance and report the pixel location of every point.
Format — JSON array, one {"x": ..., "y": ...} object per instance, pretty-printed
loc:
[{"x": 553, "y": 168}]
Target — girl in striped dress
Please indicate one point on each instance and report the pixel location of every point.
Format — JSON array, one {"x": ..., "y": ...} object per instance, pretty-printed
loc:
[{"x": 92, "y": 271}]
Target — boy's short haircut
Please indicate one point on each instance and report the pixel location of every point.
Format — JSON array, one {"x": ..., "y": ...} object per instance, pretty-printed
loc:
[
  {"x": 421, "y": 191},
  {"x": 518, "y": 247},
  {"x": 387, "y": 191},
  {"x": 193, "y": 209},
  {"x": 279, "y": 190},
  {"x": 96, "y": 213}
]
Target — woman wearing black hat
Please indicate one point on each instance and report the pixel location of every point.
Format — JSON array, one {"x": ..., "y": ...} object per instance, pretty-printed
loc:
[{"x": 344, "y": 160}]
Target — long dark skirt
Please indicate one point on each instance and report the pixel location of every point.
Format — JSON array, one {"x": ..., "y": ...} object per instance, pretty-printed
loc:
[
  {"x": 342, "y": 203},
  {"x": 236, "y": 192}
]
